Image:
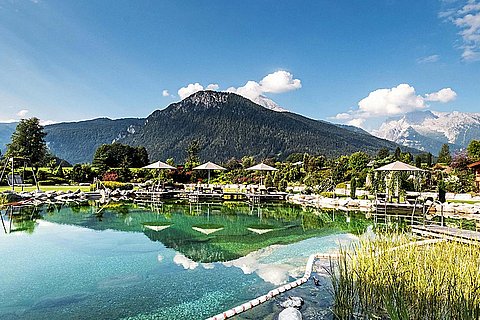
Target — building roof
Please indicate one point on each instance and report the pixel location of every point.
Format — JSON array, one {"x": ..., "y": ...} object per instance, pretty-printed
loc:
[{"x": 474, "y": 165}]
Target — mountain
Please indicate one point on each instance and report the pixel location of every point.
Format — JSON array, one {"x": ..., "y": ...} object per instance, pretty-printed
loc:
[
  {"x": 6, "y": 130},
  {"x": 228, "y": 125},
  {"x": 76, "y": 142},
  {"x": 429, "y": 130},
  {"x": 268, "y": 103}
]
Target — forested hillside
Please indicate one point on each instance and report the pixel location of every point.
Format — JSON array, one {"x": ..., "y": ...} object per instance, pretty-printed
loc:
[
  {"x": 228, "y": 125},
  {"x": 76, "y": 142}
]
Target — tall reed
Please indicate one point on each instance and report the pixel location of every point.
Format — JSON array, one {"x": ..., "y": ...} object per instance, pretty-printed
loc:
[{"x": 389, "y": 278}]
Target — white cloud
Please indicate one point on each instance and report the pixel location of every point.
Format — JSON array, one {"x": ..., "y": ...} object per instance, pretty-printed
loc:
[
  {"x": 47, "y": 122},
  {"x": 343, "y": 116},
  {"x": 393, "y": 101},
  {"x": 165, "y": 93},
  {"x": 399, "y": 99},
  {"x": 358, "y": 122},
  {"x": 212, "y": 86},
  {"x": 467, "y": 19},
  {"x": 445, "y": 95},
  {"x": 280, "y": 81},
  {"x": 195, "y": 87},
  {"x": 276, "y": 82},
  {"x": 189, "y": 90},
  {"x": 22, "y": 113},
  {"x": 429, "y": 59}
]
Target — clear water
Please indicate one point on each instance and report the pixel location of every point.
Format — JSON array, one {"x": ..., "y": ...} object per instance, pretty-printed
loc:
[{"x": 71, "y": 263}]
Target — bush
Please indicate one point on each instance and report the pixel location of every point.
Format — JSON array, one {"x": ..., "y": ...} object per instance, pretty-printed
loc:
[
  {"x": 117, "y": 185},
  {"x": 327, "y": 194},
  {"x": 110, "y": 176}
]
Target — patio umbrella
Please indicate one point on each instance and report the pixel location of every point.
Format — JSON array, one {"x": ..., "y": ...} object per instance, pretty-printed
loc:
[
  {"x": 399, "y": 166},
  {"x": 209, "y": 166},
  {"x": 158, "y": 165},
  {"x": 262, "y": 167}
]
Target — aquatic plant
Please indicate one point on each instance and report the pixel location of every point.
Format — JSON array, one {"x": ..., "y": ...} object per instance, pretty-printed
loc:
[{"x": 389, "y": 277}]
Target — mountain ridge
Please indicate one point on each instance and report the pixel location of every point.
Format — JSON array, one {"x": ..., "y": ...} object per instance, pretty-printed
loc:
[
  {"x": 229, "y": 125},
  {"x": 429, "y": 130}
]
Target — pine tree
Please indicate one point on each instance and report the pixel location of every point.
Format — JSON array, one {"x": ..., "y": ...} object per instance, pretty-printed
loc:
[
  {"x": 429, "y": 160},
  {"x": 473, "y": 150},
  {"x": 444, "y": 155},
  {"x": 398, "y": 153}
]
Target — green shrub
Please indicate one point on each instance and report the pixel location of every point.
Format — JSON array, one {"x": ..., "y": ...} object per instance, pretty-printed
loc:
[
  {"x": 327, "y": 194},
  {"x": 117, "y": 185}
]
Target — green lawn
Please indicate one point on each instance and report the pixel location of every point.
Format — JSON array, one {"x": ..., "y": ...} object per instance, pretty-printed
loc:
[
  {"x": 47, "y": 188},
  {"x": 464, "y": 201}
]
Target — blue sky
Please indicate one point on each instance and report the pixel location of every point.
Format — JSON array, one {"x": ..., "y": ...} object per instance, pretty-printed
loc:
[{"x": 71, "y": 60}]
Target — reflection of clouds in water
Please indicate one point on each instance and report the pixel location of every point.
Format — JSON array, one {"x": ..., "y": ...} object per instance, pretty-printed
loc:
[
  {"x": 160, "y": 258},
  {"x": 276, "y": 263},
  {"x": 188, "y": 263},
  {"x": 207, "y": 265},
  {"x": 276, "y": 274},
  {"x": 185, "y": 262}
]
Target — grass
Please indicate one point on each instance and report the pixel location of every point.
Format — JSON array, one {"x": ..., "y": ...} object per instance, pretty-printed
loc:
[
  {"x": 464, "y": 201},
  {"x": 387, "y": 279},
  {"x": 47, "y": 188}
]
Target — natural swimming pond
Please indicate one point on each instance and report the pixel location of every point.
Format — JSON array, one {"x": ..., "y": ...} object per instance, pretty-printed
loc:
[{"x": 169, "y": 261}]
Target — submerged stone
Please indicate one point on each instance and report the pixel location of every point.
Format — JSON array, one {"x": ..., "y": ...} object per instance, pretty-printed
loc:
[
  {"x": 292, "y": 302},
  {"x": 290, "y": 314}
]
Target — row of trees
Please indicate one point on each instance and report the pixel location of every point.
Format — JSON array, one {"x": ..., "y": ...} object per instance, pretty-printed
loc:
[{"x": 114, "y": 162}]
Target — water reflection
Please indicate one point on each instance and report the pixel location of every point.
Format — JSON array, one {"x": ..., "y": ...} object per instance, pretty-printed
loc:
[{"x": 203, "y": 233}]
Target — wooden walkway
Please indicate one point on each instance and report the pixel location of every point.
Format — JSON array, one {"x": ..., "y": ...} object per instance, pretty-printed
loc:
[{"x": 454, "y": 234}]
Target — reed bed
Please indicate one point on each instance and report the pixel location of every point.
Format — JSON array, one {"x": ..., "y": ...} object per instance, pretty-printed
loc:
[{"x": 388, "y": 278}]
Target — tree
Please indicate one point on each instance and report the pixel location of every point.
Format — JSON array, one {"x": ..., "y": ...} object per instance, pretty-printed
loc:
[
  {"x": 353, "y": 187},
  {"x": 406, "y": 157},
  {"x": 118, "y": 155},
  {"x": 247, "y": 162},
  {"x": 418, "y": 161},
  {"x": 383, "y": 153},
  {"x": 429, "y": 160},
  {"x": 358, "y": 161},
  {"x": 28, "y": 141},
  {"x": 473, "y": 150},
  {"x": 398, "y": 153},
  {"x": 192, "y": 154},
  {"x": 444, "y": 155},
  {"x": 82, "y": 173}
]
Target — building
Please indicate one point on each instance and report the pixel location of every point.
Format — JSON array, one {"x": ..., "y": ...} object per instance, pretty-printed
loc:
[{"x": 476, "y": 167}]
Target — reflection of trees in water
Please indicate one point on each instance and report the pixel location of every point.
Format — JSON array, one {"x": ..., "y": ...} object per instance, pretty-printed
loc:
[
  {"x": 289, "y": 223},
  {"x": 20, "y": 219}
]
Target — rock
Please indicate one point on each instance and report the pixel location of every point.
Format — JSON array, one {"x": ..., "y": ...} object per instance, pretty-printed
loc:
[
  {"x": 290, "y": 314},
  {"x": 292, "y": 302}
]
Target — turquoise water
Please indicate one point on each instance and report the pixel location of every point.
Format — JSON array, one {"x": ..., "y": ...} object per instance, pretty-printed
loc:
[{"x": 76, "y": 264}]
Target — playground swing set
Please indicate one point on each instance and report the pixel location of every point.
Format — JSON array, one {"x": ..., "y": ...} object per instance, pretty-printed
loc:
[{"x": 13, "y": 176}]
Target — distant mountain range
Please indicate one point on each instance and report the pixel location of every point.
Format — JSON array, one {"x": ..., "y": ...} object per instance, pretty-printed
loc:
[
  {"x": 429, "y": 130},
  {"x": 6, "y": 130},
  {"x": 226, "y": 125}
]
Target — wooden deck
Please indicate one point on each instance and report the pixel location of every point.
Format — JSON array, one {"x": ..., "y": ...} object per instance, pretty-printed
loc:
[
  {"x": 196, "y": 196},
  {"x": 454, "y": 234}
]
